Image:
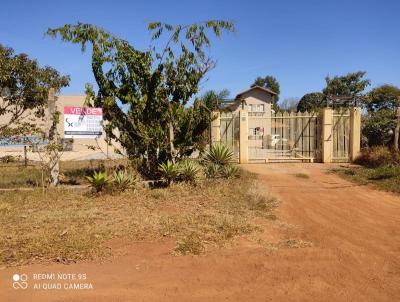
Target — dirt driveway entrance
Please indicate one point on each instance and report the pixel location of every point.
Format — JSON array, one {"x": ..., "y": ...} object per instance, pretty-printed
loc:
[{"x": 351, "y": 253}]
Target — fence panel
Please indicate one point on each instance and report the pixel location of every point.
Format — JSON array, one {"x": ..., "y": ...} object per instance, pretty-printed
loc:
[
  {"x": 341, "y": 135},
  {"x": 292, "y": 136}
]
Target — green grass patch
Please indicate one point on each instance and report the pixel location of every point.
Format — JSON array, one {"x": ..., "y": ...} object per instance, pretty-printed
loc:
[{"x": 385, "y": 177}]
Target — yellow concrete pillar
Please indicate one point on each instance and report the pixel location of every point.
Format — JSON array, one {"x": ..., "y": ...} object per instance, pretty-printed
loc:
[
  {"x": 355, "y": 132},
  {"x": 327, "y": 145},
  {"x": 216, "y": 127},
  {"x": 243, "y": 137}
]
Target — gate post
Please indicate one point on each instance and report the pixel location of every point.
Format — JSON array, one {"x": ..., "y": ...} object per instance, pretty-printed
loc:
[
  {"x": 243, "y": 137},
  {"x": 215, "y": 127},
  {"x": 355, "y": 132},
  {"x": 327, "y": 145}
]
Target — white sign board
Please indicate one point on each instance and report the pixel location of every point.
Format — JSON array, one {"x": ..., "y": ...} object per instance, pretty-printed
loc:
[{"x": 83, "y": 122}]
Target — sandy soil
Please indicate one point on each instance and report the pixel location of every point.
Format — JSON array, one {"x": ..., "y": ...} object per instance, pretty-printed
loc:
[{"x": 355, "y": 253}]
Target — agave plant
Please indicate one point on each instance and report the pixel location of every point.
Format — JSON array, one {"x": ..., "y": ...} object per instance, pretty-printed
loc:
[
  {"x": 168, "y": 171},
  {"x": 230, "y": 171},
  {"x": 219, "y": 155},
  {"x": 99, "y": 180},
  {"x": 123, "y": 181},
  {"x": 213, "y": 171},
  {"x": 188, "y": 171}
]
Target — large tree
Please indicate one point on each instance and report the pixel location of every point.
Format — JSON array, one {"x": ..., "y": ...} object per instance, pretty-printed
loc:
[
  {"x": 311, "y": 102},
  {"x": 383, "y": 97},
  {"x": 24, "y": 88},
  {"x": 212, "y": 99},
  {"x": 351, "y": 84},
  {"x": 271, "y": 83},
  {"x": 342, "y": 88},
  {"x": 155, "y": 86},
  {"x": 379, "y": 124}
]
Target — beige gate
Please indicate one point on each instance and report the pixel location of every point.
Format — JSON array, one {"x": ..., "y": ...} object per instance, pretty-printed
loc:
[
  {"x": 287, "y": 136},
  {"x": 341, "y": 136},
  {"x": 327, "y": 136},
  {"x": 229, "y": 131}
]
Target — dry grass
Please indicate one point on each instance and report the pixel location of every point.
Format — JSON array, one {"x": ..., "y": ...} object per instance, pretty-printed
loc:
[
  {"x": 16, "y": 175},
  {"x": 69, "y": 226},
  {"x": 302, "y": 175}
]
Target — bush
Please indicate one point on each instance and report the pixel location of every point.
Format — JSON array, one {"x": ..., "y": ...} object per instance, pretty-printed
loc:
[
  {"x": 9, "y": 159},
  {"x": 213, "y": 171},
  {"x": 123, "y": 181},
  {"x": 169, "y": 171},
  {"x": 188, "y": 171},
  {"x": 219, "y": 155},
  {"x": 230, "y": 171},
  {"x": 99, "y": 181},
  {"x": 377, "y": 157}
]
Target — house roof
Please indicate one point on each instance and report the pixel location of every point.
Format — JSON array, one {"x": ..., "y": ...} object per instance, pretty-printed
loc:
[{"x": 256, "y": 87}]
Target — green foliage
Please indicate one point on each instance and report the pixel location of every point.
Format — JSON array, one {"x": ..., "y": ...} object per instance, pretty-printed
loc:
[
  {"x": 383, "y": 97},
  {"x": 271, "y": 83},
  {"x": 219, "y": 155},
  {"x": 188, "y": 171},
  {"x": 212, "y": 99},
  {"x": 24, "y": 85},
  {"x": 9, "y": 159},
  {"x": 123, "y": 180},
  {"x": 169, "y": 171},
  {"x": 311, "y": 102},
  {"x": 379, "y": 123},
  {"x": 154, "y": 85},
  {"x": 377, "y": 127},
  {"x": 99, "y": 181},
  {"x": 351, "y": 84},
  {"x": 213, "y": 170},
  {"x": 230, "y": 171},
  {"x": 378, "y": 156}
]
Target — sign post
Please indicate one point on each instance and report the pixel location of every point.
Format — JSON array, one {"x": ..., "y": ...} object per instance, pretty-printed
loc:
[{"x": 83, "y": 122}]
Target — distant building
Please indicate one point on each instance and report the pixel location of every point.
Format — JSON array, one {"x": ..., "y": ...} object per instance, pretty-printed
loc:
[{"x": 76, "y": 148}]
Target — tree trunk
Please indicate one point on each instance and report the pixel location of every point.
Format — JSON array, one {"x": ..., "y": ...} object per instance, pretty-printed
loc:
[
  {"x": 171, "y": 141},
  {"x": 54, "y": 159},
  {"x": 397, "y": 131}
]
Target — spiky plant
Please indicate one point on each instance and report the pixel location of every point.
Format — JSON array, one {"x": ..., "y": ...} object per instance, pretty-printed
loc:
[
  {"x": 188, "y": 171},
  {"x": 213, "y": 171},
  {"x": 219, "y": 155},
  {"x": 230, "y": 171},
  {"x": 169, "y": 171},
  {"x": 99, "y": 180},
  {"x": 123, "y": 181}
]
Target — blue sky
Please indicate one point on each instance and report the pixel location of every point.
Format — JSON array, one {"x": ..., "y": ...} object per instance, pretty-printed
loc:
[{"x": 299, "y": 42}]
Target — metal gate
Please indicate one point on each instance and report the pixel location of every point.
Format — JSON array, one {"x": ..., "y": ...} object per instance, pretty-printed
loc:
[
  {"x": 341, "y": 135},
  {"x": 229, "y": 131},
  {"x": 287, "y": 136}
]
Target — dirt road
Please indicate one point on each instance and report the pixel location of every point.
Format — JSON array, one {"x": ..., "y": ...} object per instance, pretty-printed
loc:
[{"x": 352, "y": 253}]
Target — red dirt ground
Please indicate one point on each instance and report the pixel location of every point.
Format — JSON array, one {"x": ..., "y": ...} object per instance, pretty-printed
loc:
[{"x": 355, "y": 253}]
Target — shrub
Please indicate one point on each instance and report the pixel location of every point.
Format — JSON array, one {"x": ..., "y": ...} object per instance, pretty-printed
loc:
[
  {"x": 377, "y": 157},
  {"x": 99, "y": 181},
  {"x": 230, "y": 171},
  {"x": 219, "y": 155},
  {"x": 9, "y": 159},
  {"x": 123, "y": 181},
  {"x": 168, "y": 171},
  {"x": 213, "y": 171},
  {"x": 188, "y": 171}
]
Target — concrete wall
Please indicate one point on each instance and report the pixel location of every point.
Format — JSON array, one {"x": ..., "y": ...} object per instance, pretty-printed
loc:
[{"x": 80, "y": 146}]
